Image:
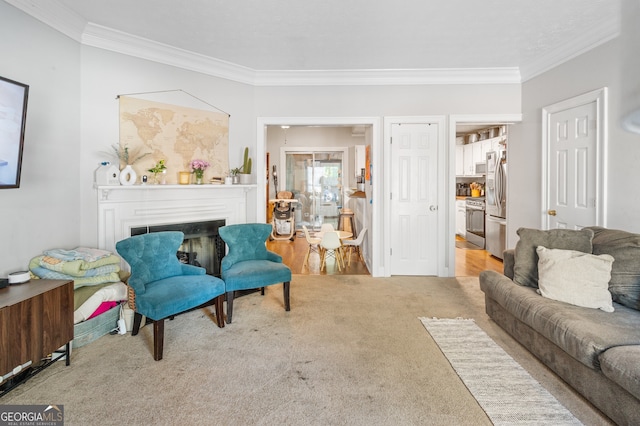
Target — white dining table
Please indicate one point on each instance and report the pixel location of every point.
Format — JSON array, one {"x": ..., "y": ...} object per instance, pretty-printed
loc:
[{"x": 341, "y": 234}]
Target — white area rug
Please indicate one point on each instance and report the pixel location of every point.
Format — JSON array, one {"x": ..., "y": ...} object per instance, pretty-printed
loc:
[{"x": 504, "y": 390}]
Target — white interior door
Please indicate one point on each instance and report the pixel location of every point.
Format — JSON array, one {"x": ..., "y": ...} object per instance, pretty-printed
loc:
[
  {"x": 575, "y": 147},
  {"x": 414, "y": 199}
]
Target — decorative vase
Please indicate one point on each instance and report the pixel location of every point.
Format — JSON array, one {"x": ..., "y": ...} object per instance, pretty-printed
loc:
[
  {"x": 128, "y": 176},
  {"x": 244, "y": 178},
  {"x": 199, "y": 176},
  {"x": 228, "y": 180}
]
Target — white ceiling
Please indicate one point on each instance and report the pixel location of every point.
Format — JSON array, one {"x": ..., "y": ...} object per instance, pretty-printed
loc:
[{"x": 528, "y": 36}]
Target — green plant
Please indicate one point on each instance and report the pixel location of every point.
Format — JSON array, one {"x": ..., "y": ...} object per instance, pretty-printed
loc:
[
  {"x": 234, "y": 172},
  {"x": 158, "y": 168},
  {"x": 246, "y": 165}
]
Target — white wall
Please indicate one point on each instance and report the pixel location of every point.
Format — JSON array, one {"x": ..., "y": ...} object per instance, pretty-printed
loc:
[
  {"x": 597, "y": 68},
  {"x": 45, "y": 211},
  {"x": 105, "y": 75},
  {"x": 73, "y": 118}
]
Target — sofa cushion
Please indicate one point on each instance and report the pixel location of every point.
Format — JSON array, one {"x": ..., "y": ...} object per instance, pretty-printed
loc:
[
  {"x": 621, "y": 365},
  {"x": 625, "y": 272},
  {"x": 581, "y": 332},
  {"x": 525, "y": 268},
  {"x": 575, "y": 277}
]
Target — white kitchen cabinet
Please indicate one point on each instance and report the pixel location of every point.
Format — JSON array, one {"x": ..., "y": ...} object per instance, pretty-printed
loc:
[
  {"x": 467, "y": 156},
  {"x": 459, "y": 160},
  {"x": 472, "y": 154},
  {"x": 461, "y": 218},
  {"x": 468, "y": 159}
]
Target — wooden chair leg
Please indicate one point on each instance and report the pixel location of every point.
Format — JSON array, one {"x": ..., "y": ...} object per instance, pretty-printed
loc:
[
  {"x": 229, "y": 306},
  {"x": 137, "y": 319},
  {"x": 306, "y": 257},
  {"x": 219, "y": 306},
  {"x": 287, "y": 304},
  {"x": 262, "y": 291},
  {"x": 158, "y": 339}
]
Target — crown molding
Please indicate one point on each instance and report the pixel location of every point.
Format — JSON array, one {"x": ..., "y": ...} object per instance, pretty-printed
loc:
[
  {"x": 127, "y": 44},
  {"x": 600, "y": 34},
  {"x": 116, "y": 41},
  {"x": 388, "y": 77},
  {"x": 59, "y": 17}
]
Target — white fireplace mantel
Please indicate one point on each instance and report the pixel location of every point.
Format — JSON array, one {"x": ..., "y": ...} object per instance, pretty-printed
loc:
[{"x": 121, "y": 208}]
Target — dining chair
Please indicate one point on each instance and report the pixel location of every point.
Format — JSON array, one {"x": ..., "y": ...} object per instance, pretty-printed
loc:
[
  {"x": 331, "y": 246},
  {"x": 326, "y": 227},
  {"x": 160, "y": 286},
  {"x": 249, "y": 265},
  {"x": 351, "y": 245},
  {"x": 313, "y": 243}
]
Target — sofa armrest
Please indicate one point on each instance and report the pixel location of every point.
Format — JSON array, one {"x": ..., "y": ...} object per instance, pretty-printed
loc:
[{"x": 508, "y": 261}]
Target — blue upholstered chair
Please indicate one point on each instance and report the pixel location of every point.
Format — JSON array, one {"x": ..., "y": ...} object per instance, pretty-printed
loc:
[
  {"x": 248, "y": 264},
  {"x": 161, "y": 287}
]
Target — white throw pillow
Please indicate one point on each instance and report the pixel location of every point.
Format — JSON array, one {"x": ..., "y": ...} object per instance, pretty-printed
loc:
[{"x": 575, "y": 277}]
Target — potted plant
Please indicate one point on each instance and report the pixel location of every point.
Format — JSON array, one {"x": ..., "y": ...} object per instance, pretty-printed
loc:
[
  {"x": 160, "y": 167},
  {"x": 234, "y": 174},
  {"x": 245, "y": 171}
]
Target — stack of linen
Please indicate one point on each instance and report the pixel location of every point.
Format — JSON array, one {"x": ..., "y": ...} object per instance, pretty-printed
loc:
[
  {"x": 85, "y": 266},
  {"x": 95, "y": 273}
]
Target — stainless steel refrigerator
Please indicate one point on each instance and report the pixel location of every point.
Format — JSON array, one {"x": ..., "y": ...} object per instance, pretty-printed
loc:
[{"x": 496, "y": 203}]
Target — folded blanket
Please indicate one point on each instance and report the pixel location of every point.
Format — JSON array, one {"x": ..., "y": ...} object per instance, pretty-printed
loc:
[
  {"x": 79, "y": 253},
  {"x": 111, "y": 293},
  {"x": 78, "y": 282},
  {"x": 78, "y": 268}
]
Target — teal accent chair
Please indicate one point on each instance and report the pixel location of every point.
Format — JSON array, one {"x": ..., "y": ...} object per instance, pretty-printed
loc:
[
  {"x": 249, "y": 265},
  {"x": 161, "y": 287}
]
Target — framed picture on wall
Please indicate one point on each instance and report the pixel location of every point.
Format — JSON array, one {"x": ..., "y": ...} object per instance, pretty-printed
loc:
[{"x": 13, "y": 115}]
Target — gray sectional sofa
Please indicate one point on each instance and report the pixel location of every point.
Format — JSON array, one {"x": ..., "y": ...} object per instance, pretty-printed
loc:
[{"x": 594, "y": 351}]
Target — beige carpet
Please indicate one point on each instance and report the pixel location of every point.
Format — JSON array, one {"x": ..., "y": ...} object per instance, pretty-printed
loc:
[{"x": 352, "y": 350}]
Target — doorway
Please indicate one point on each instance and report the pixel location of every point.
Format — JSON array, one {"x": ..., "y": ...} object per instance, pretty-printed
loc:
[
  {"x": 359, "y": 131},
  {"x": 465, "y": 256}
]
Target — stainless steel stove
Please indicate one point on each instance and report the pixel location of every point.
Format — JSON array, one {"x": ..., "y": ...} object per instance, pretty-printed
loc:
[{"x": 475, "y": 209}]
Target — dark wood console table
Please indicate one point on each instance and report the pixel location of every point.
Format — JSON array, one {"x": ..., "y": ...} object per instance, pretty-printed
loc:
[{"x": 36, "y": 319}]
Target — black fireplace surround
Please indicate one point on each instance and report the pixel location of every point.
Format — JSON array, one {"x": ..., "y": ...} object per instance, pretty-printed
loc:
[{"x": 202, "y": 245}]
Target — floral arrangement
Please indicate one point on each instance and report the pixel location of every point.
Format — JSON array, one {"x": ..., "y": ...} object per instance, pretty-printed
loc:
[{"x": 198, "y": 167}]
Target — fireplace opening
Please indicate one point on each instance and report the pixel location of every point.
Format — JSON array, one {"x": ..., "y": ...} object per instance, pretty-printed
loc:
[{"x": 202, "y": 245}]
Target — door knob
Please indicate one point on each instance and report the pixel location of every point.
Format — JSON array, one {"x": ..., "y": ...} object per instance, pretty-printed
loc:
[
  {"x": 433, "y": 208},
  {"x": 551, "y": 212}
]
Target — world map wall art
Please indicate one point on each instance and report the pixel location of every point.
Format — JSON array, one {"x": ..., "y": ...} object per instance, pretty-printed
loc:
[{"x": 176, "y": 134}]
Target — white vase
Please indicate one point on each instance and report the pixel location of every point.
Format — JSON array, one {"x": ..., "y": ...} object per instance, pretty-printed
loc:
[{"x": 128, "y": 176}]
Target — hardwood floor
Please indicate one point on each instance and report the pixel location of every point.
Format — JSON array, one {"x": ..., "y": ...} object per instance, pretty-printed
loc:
[
  {"x": 293, "y": 253},
  {"x": 469, "y": 262}
]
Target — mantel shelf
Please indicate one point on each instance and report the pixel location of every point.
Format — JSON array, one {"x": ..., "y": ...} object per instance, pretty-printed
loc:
[{"x": 105, "y": 190}]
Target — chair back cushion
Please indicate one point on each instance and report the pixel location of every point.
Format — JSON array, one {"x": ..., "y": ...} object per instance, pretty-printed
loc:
[
  {"x": 151, "y": 257},
  {"x": 246, "y": 242}
]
